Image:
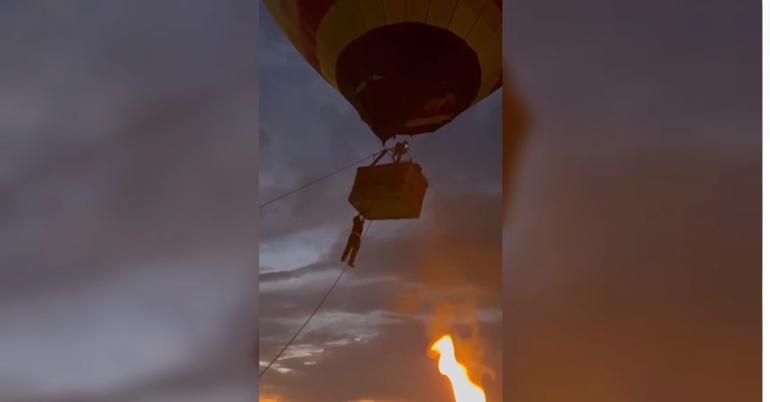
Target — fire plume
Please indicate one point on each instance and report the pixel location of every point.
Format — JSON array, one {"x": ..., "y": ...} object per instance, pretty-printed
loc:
[{"x": 463, "y": 388}]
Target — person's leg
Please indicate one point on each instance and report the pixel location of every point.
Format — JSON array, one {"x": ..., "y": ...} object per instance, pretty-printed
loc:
[
  {"x": 348, "y": 247},
  {"x": 356, "y": 244}
]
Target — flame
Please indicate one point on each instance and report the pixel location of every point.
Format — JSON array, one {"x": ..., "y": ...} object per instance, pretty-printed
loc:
[{"x": 463, "y": 388}]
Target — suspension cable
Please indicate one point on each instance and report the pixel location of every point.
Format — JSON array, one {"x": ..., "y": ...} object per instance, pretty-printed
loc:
[
  {"x": 312, "y": 182},
  {"x": 310, "y": 317}
]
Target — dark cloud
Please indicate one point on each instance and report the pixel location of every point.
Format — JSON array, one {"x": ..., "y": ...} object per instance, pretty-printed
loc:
[
  {"x": 404, "y": 274},
  {"x": 358, "y": 371},
  {"x": 632, "y": 253},
  {"x": 652, "y": 273},
  {"x": 128, "y": 164}
]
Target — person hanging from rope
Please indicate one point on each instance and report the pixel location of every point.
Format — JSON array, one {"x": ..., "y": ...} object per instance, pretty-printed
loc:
[{"x": 354, "y": 241}]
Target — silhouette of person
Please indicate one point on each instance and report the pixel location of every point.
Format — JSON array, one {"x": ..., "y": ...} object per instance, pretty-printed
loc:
[
  {"x": 354, "y": 241},
  {"x": 399, "y": 151}
]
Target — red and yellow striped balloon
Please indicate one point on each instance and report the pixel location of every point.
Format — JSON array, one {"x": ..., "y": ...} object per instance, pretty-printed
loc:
[{"x": 407, "y": 66}]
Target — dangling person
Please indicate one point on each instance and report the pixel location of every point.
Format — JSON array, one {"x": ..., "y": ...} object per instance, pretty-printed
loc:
[{"x": 354, "y": 241}]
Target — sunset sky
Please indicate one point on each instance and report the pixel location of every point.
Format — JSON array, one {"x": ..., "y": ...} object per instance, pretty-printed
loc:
[
  {"x": 370, "y": 341},
  {"x": 139, "y": 137},
  {"x": 128, "y": 201},
  {"x": 632, "y": 262}
]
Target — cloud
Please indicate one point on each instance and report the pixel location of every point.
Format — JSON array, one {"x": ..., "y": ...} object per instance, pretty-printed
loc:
[
  {"x": 398, "y": 283},
  {"x": 128, "y": 235},
  {"x": 385, "y": 304},
  {"x": 383, "y": 369},
  {"x": 632, "y": 252}
]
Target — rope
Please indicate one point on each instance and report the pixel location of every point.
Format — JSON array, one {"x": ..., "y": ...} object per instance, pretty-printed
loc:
[
  {"x": 318, "y": 180},
  {"x": 310, "y": 317}
]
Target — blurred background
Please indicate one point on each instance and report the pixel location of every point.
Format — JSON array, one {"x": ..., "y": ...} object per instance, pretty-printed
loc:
[
  {"x": 128, "y": 201},
  {"x": 632, "y": 240}
]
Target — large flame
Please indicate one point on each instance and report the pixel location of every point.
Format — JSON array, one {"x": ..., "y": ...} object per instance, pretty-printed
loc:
[{"x": 463, "y": 388}]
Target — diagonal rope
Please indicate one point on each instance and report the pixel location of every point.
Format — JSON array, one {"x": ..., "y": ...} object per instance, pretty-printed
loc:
[
  {"x": 310, "y": 317},
  {"x": 318, "y": 180}
]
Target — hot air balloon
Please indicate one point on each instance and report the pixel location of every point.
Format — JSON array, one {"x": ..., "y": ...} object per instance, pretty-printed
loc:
[{"x": 408, "y": 67}]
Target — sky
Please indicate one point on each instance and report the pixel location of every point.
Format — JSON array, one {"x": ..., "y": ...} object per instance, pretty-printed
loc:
[
  {"x": 413, "y": 279},
  {"x": 128, "y": 170},
  {"x": 128, "y": 215},
  {"x": 632, "y": 253}
]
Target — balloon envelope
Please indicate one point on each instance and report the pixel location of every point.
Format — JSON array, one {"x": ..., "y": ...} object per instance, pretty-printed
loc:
[{"x": 407, "y": 66}]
